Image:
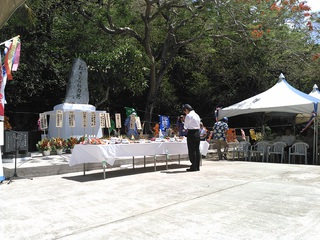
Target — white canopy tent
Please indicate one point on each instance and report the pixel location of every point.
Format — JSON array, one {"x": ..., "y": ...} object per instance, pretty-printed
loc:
[
  {"x": 302, "y": 118},
  {"x": 281, "y": 98}
]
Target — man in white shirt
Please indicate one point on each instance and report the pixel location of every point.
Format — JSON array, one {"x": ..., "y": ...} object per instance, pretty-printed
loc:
[{"x": 192, "y": 124}]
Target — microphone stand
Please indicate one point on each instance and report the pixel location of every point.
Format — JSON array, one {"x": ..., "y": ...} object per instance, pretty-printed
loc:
[{"x": 15, "y": 175}]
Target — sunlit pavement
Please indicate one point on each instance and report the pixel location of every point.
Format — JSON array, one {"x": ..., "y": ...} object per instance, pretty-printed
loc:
[{"x": 225, "y": 200}]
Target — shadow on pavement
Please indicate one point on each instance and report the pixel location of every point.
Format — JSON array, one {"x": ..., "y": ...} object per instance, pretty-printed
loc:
[{"x": 126, "y": 172}]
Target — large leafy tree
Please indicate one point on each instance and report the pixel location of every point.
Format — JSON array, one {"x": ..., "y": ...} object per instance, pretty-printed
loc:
[
  {"x": 161, "y": 28},
  {"x": 207, "y": 53}
]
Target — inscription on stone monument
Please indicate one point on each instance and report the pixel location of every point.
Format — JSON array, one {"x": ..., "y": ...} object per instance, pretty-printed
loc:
[{"x": 77, "y": 88}]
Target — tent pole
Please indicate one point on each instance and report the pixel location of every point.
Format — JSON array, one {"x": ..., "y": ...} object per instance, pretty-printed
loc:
[{"x": 315, "y": 142}]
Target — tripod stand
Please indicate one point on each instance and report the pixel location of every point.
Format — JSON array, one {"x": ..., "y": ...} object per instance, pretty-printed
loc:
[{"x": 15, "y": 175}]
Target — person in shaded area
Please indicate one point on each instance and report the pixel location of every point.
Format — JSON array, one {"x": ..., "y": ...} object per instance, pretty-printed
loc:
[
  {"x": 219, "y": 135},
  {"x": 203, "y": 132},
  {"x": 180, "y": 126},
  {"x": 307, "y": 137}
]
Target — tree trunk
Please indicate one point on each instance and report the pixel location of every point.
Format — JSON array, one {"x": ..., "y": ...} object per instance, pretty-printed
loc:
[{"x": 151, "y": 97}]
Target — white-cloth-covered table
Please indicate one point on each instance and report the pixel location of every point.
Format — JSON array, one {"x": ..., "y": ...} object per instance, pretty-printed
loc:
[{"x": 100, "y": 153}]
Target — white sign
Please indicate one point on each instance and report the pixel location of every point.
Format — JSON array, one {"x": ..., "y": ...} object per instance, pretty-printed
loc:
[
  {"x": 43, "y": 121},
  {"x": 108, "y": 123},
  {"x": 132, "y": 121},
  {"x": 118, "y": 120},
  {"x": 138, "y": 123},
  {"x": 59, "y": 118},
  {"x": 102, "y": 120},
  {"x": 72, "y": 119},
  {"x": 84, "y": 119},
  {"x": 93, "y": 119}
]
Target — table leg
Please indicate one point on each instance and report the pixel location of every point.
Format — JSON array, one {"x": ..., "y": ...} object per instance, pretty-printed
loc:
[
  {"x": 133, "y": 162},
  {"x": 144, "y": 161},
  {"x": 84, "y": 169},
  {"x": 179, "y": 159},
  {"x": 104, "y": 165},
  {"x": 167, "y": 157},
  {"x": 155, "y": 159}
]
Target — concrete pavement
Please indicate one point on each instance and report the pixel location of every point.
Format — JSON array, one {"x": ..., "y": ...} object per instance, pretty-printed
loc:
[{"x": 225, "y": 200}]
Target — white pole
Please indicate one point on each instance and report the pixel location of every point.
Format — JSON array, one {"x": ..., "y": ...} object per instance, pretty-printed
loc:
[{"x": 2, "y": 177}]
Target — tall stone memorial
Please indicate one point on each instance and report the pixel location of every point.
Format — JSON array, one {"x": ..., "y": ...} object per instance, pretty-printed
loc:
[{"x": 75, "y": 117}]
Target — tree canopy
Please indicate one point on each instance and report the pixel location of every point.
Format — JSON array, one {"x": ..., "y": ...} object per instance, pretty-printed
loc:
[{"x": 155, "y": 55}]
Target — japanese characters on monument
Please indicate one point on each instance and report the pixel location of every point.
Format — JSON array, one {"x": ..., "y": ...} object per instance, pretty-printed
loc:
[
  {"x": 93, "y": 119},
  {"x": 84, "y": 119},
  {"x": 43, "y": 121},
  {"x": 138, "y": 122},
  {"x": 108, "y": 123},
  {"x": 59, "y": 118},
  {"x": 118, "y": 120},
  {"x": 102, "y": 120},
  {"x": 72, "y": 119}
]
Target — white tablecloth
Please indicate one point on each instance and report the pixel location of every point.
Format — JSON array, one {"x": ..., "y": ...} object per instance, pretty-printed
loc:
[{"x": 109, "y": 153}]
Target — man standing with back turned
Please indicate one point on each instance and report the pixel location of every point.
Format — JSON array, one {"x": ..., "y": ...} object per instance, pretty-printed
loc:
[
  {"x": 192, "y": 124},
  {"x": 219, "y": 135}
]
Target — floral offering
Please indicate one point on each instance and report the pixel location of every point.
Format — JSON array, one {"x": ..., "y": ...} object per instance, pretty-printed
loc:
[
  {"x": 58, "y": 143},
  {"x": 44, "y": 145},
  {"x": 71, "y": 142}
]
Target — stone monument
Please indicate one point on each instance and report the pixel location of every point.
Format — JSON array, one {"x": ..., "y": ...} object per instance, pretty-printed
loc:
[
  {"x": 77, "y": 88},
  {"x": 76, "y": 103}
]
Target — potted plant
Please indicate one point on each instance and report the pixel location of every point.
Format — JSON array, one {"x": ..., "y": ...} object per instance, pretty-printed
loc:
[{"x": 44, "y": 146}]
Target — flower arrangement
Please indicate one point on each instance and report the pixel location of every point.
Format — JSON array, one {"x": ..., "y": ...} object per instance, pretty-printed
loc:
[
  {"x": 71, "y": 142},
  {"x": 44, "y": 145},
  {"x": 58, "y": 143}
]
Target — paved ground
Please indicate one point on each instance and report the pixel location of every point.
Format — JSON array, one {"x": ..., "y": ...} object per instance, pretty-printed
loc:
[{"x": 225, "y": 200}]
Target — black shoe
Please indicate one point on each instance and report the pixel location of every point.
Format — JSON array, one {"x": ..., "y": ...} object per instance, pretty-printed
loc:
[
  {"x": 225, "y": 157},
  {"x": 191, "y": 170}
]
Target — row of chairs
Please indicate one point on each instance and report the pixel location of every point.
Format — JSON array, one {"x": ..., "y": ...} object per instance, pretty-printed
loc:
[{"x": 266, "y": 151}]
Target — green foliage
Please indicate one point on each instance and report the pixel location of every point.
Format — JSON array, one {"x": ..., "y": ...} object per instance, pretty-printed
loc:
[{"x": 206, "y": 53}]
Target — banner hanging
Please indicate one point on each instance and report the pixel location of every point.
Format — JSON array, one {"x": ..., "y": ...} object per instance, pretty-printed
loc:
[
  {"x": 93, "y": 119},
  {"x": 84, "y": 119},
  {"x": 164, "y": 123},
  {"x": 72, "y": 119},
  {"x": 43, "y": 121},
  {"x": 108, "y": 123},
  {"x": 59, "y": 118},
  {"x": 118, "y": 120},
  {"x": 102, "y": 120}
]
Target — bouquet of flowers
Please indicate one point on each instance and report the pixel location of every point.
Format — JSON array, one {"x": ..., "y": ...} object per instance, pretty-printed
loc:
[
  {"x": 71, "y": 142},
  {"x": 44, "y": 145},
  {"x": 58, "y": 143}
]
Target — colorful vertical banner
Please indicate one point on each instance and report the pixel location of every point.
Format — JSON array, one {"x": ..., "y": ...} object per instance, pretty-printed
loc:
[
  {"x": 11, "y": 57},
  {"x": 164, "y": 123},
  {"x": 59, "y": 118},
  {"x": 102, "y": 120},
  {"x": 72, "y": 119},
  {"x": 118, "y": 120}
]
